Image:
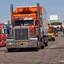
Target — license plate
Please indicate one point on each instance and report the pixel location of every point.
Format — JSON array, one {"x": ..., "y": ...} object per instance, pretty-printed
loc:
[{"x": 22, "y": 43}]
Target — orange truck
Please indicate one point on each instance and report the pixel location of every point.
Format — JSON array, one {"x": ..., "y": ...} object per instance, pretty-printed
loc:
[{"x": 29, "y": 28}]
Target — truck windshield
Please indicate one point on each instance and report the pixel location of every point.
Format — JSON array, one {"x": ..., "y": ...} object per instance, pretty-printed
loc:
[{"x": 24, "y": 22}]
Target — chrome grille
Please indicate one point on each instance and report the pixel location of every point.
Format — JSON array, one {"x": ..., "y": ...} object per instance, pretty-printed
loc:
[{"x": 21, "y": 34}]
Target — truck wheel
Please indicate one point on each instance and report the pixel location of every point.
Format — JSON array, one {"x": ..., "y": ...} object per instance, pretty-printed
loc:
[
  {"x": 38, "y": 47},
  {"x": 46, "y": 43},
  {"x": 42, "y": 46},
  {"x": 42, "y": 43},
  {"x": 53, "y": 39}
]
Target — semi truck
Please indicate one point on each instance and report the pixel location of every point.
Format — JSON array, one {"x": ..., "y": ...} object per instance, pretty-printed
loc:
[
  {"x": 3, "y": 35},
  {"x": 29, "y": 28}
]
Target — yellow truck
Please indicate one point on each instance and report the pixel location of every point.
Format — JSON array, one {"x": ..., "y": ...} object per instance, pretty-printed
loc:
[{"x": 52, "y": 33}]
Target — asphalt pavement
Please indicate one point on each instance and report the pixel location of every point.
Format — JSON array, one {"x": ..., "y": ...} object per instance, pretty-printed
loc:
[{"x": 52, "y": 54}]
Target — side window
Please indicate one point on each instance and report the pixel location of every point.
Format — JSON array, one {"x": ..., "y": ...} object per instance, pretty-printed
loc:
[
  {"x": 5, "y": 31},
  {"x": 0, "y": 31}
]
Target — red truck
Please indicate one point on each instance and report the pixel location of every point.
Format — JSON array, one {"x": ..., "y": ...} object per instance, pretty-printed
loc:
[
  {"x": 3, "y": 34},
  {"x": 29, "y": 28}
]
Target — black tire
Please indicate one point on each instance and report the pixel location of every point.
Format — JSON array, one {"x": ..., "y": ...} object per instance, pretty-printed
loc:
[
  {"x": 42, "y": 47},
  {"x": 42, "y": 43},
  {"x": 46, "y": 43},
  {"x": 38, "y": 47},
  {"x": 53, "y": 39}
]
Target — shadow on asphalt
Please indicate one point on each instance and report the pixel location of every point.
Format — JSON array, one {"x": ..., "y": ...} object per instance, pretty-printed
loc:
[
  {"x": 24, "y": 50},
  {"x": 33, "y": 50}
]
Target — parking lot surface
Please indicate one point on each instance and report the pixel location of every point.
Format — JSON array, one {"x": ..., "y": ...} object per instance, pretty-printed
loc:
[{"x": 52, "y": 54}]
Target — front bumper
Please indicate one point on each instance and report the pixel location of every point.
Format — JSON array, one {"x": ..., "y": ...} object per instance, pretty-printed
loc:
[{"x": 29, "y": 44}]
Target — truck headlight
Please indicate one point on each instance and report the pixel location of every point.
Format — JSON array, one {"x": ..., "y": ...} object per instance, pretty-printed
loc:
[
  {"x": 33, "y": 38},
  {"x": 10, "y": 43}
]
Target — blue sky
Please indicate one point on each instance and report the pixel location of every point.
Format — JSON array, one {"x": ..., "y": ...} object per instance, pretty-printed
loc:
[{"x": 53, "y": 7}]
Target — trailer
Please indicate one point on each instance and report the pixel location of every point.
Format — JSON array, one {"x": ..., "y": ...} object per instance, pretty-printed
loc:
[{"x": 29, "y": 28}]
